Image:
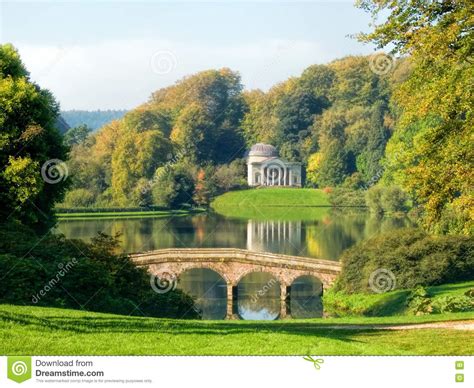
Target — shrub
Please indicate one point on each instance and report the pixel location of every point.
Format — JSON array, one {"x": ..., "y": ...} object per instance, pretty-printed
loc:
[
  {"x": 373, "y": 199},
  {"x": 393, "y": 199},
  {"x": 414, "y": 258},
  {"x": 453, "y": 304},
  {"x": 341, "y": 197},
  {"x": 58, "y": 272},
  {"x": 79, "y": 198},
  {"x": 230, "y": 176},
  {"x": 418, "y": 301},
  {"x": 390, "y": 199}
]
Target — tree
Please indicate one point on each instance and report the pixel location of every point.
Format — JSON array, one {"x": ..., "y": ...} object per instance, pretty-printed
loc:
[
  {"x": 28, "y": 140},
  {"x": 77, "y": 135},
  {"x": 434, "y": 103}
]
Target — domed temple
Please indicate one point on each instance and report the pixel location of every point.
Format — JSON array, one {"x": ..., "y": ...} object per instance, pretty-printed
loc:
[{"x": 266, "y": 168}]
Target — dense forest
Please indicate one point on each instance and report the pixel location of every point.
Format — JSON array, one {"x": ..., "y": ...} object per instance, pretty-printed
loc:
[
  {"x": 92, "y": 119},
  {"x": 334, "y": 118}
]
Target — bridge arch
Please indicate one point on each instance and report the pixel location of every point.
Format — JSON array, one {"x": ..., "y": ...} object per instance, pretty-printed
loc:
[
  {"x": 305, "y": 299},
  {"x": 177, "y": 271},
  {"x": 249, "y": 271},
  {"x": 307, "y": 275}
]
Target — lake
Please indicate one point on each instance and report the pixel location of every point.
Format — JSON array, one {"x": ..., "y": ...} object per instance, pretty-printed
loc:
[{"x": 325, "y": 234}]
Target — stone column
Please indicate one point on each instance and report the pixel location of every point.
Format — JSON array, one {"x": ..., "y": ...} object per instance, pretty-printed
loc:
[
  {"x": 283, "y": 301},
  {"x": 230, "y": 302}
]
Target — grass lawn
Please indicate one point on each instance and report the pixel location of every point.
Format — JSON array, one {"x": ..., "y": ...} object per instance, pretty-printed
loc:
[
  {"x": 127, "y": 214},
  {"x": 274, "y": 203},
  {"x": 49, "y": 331}
]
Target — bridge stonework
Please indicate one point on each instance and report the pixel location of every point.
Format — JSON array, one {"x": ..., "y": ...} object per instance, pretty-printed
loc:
[{"x": 234, "y": 264}]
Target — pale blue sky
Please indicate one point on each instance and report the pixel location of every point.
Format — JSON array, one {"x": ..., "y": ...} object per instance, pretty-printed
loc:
[{"x": 113, "y": 54}]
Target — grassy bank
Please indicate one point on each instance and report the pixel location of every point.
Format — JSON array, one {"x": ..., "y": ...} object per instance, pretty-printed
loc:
[
  {"x": 49, "y": 331},
  {"x": 274, "y": 203},
  {"x": 126, "y": 214},
  {"x": 385, "y": 304}
]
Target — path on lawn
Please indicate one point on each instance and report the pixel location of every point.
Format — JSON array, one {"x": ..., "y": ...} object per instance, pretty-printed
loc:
[{"x": 453, "y": 325}]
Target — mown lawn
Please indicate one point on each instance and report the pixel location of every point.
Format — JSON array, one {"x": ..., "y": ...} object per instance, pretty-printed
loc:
[
  {"x": 49, "y": 331},
  {"x": 275, "y": 203}
]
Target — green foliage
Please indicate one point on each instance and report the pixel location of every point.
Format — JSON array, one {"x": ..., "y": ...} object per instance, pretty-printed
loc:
[
  {"x": 77, "y": 135},
  {"x": 386, "y": 199},
  {"x": 29, "y": 137},
  {"x": 78, "y": 198},
  {"x": 341, "y": 197},
  {"x": 414, "y": 258},
  {"x": 373, "y": 199},
  {"x": 431, "y": 154},
  {"x": 415, "y": 302},
  {"x": 53, "y": 271},
  {"x": 174, "y": 186},
  {"x": 453, "y": 304}
]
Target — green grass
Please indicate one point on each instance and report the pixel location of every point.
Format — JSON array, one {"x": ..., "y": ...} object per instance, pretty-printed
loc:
[
  {"x": 390, "y": 303},
  {"x": 49, "y": 331},
  {"x": 273, "y": 203},
  {"x": 127, "y": 214}
]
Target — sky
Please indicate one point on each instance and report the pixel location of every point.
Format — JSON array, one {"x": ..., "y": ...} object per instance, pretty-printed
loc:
[{"x": 114, "y": 54}]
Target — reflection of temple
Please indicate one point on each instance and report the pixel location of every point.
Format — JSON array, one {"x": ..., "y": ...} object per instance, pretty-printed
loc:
[{"x": 264, "y": 235}]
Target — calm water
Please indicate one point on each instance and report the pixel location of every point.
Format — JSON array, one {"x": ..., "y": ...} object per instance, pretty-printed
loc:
[{"x": 258, "y": 293}]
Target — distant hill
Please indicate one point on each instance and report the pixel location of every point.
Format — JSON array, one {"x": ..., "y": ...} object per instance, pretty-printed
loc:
[{"x": 93, "y": 119}]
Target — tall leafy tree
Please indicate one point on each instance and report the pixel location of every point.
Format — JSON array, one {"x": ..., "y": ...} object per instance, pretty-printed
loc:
[
  {"x": 434, "y": 103},
  {"x": 28, "y": 139}
]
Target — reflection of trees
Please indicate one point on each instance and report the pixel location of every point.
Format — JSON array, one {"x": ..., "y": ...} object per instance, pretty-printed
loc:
[
  {"x": 329, "y": 239},
  {"x": 305, "y": 297},
  {"x": 208, "y": 289},
  {"x": 325, "y": 237}
]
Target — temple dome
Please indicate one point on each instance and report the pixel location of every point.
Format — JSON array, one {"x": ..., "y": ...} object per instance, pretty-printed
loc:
[{"x": 261, "y": 149}]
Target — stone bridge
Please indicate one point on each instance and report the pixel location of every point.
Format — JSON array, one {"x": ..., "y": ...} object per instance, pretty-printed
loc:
[{"x": 233, "y": 264}]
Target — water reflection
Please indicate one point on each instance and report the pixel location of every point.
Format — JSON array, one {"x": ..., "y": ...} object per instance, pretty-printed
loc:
[
  {"x": 258, "y": 296},
  {"x": 324, "y": 237},
  {"x": 208, "y": 289},
  {"x": 305, "y": 297}
]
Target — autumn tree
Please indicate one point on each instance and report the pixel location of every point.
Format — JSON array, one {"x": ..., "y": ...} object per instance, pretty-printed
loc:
[{"x": 431, "y": 153}]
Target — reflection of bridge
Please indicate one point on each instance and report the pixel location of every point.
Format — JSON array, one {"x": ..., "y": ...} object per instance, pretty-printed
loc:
[{"x": 234, "y": 264}]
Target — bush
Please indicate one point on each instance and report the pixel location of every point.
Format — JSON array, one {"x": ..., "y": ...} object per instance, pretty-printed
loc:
[
  {"x": 79, "y": 198},
  {"x": 230, "y": 176},
  {"x": 413, "y": 257},
  {"x": 373, "y": 200},
  {"x": 453, "y": 304},
  {"x": 342, "y": 197},
  {"x": 391, "y": 199},
  {"x": 58, "y": 272}
]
